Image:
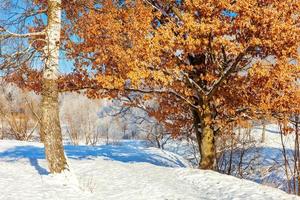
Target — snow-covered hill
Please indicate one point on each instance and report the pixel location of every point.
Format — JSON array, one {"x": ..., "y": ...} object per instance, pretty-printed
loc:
[{"x": 129, "y": 170}]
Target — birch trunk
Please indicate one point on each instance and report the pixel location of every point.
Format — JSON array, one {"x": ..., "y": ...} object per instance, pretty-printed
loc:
[{"x": 50, "y": 123}]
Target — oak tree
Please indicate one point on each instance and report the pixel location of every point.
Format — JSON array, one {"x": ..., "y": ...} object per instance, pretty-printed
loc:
[{"x": 210, "y": 55}]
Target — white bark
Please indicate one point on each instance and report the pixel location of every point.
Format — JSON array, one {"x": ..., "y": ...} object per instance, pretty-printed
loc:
[
  {"x": 53, "y": 39},
  {"x": 50, "y": 122},
  {"x": 8, "y": 34}
]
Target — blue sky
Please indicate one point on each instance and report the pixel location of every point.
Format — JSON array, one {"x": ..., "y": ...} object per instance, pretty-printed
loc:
[
  {"x": 65, "y": 66},
  {"x": 12, "y": 12},
  {"x": 18, "y": 6}
]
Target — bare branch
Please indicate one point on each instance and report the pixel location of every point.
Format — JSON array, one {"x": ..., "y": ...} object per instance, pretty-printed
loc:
[
  {"x": 227, "y": 72},
  {"x": 192, "y": 82},
  {"x": 9, "y": 34},
  {"x": 165, "y": 91},
  {"x": 146, "y": 91}
]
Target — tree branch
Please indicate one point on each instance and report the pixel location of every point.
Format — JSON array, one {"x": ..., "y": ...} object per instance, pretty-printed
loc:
[
  {"x": 159, "y": 91},
  {"x": 192, "y": 82},
  {"x": 227, "y": 72},
  {"x": 9, "y": 34}
]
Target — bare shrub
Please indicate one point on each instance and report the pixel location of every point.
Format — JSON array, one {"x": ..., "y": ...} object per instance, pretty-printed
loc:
[
  {"x": 17, "y": 119},
  {"x": 21, "y": 126}
]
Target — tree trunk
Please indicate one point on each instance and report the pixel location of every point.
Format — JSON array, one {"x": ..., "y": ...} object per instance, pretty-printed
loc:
[
  {"x": 50, "y": 123},
  {"x": 207, "y": 147},
  {"x": 197, "y": 122},
  {"x": 297, "y": 120},
  {"x": 263, "y": 134}
]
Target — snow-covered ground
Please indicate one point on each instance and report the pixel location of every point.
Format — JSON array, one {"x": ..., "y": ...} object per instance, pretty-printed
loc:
[{"x": 130, "y": 170}]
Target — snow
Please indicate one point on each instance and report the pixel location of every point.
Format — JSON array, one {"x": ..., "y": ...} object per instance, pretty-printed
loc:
[
  {"x": 129, "y": 170},
  {"x": 272, "y": 137}
]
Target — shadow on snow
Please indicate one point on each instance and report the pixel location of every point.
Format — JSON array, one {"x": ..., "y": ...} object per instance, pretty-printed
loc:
[{"x": 128, "y": 152}]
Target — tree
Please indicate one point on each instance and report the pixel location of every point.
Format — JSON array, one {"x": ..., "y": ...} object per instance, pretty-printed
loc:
[
  {"x": 50, "y": 123},
  {"x": 207, "y": 54},
  {"x": 213, "y": 48},
  {"x": 46, "y": 43}
]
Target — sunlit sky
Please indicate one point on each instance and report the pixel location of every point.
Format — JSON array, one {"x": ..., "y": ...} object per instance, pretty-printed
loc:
[{"x": 12, "y": 9}]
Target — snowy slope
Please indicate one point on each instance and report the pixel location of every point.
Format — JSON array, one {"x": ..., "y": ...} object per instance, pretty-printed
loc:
[{"x": 127, "y": 171}]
